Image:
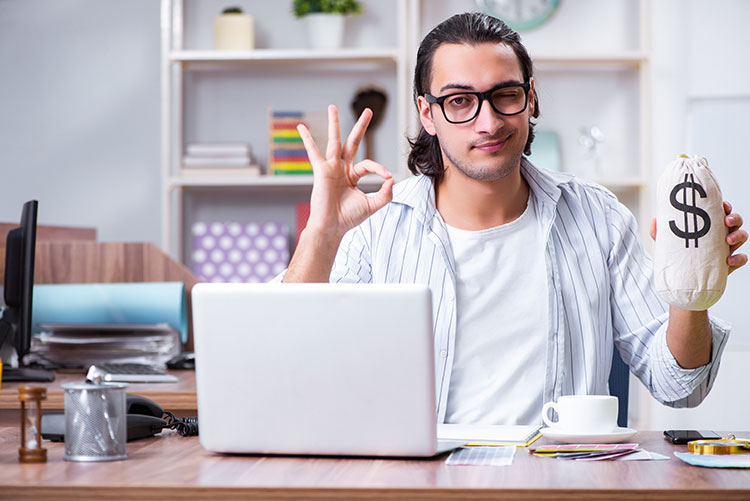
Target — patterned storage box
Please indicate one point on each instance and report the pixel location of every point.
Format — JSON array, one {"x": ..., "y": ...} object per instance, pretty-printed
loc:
[{"x": 239, "y": 252}]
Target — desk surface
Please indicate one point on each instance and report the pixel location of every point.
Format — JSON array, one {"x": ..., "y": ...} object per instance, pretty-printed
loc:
[
  {"x": 171, "y": 396},
  {"x": 173, "y": 467}
]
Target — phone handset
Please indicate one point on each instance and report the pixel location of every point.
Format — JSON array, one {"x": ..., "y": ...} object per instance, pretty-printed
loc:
[{"x": 145, "y": 418}]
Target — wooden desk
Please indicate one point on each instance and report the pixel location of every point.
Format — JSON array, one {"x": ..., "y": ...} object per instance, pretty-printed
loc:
[
  {"x": 173, "y": 467},
  {"x": 178, "y": 397}
]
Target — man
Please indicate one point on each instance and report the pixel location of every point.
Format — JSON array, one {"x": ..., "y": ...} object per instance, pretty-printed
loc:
[{"x": 535, "y": 275}]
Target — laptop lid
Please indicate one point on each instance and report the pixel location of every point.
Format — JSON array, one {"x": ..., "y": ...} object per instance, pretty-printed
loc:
[{"x": 341, "y": 369}]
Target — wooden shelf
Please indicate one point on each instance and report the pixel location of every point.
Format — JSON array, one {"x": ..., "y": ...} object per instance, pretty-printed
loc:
[
  {"x": 621, "y": 183},
  {"x": 261, "y": 181},
  {"x": 284, "y": 55},
  {"x": 630, "y": 59}
]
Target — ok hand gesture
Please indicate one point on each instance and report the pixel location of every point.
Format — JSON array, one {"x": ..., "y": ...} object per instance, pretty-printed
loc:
[{"x": 337, "y": 204}]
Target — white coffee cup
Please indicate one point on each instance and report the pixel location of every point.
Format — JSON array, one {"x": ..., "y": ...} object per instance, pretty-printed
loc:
[{"x": 583, "y": 414}]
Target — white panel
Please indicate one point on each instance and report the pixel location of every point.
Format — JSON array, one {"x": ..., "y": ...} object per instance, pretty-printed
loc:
[
  {"x": 718, "y": 41},
  {"x": 719, "y": 131},
  {"x": 578, "y": 26},
  {"x": 572, "y": 99}
]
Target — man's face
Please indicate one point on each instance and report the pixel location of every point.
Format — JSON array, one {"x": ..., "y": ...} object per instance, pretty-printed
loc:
[{"x": 489, "y": 147}]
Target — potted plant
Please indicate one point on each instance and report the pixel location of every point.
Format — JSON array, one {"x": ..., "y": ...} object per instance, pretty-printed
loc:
[{"x": 325, "y": 20}]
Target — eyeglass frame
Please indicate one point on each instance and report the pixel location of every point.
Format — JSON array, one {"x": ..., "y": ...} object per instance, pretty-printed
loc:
[{"x": 482, "y": 96}]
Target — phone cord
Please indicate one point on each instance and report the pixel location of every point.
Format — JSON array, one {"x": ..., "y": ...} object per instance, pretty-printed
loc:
[{"x": 185, "y": 426}]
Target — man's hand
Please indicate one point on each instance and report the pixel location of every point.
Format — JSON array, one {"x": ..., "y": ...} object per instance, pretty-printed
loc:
[
  {"x": 336, "y": 204},
  {"x": 689, "y": 332},
  {"x": 736, "y": 237}
]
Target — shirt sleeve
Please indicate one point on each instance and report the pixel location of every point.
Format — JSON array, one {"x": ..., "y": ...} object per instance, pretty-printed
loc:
[
  {"x": 640, "y": 319},
  {"x": 352, "y": 263}
]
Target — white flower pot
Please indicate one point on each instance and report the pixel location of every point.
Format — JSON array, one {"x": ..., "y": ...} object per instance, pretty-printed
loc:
[{"x": 325, "y": 31}]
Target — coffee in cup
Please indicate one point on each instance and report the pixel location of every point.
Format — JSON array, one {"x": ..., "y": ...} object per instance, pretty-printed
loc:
[{"x": 583, "y": 414}]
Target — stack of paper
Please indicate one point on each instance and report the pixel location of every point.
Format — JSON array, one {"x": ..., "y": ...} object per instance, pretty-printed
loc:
[
  {"x": 81, "y": 345},
  {"x": 219, "y": 158},
  {"x": 76, "y": 325},
  {"x": 489, "y": 434}
]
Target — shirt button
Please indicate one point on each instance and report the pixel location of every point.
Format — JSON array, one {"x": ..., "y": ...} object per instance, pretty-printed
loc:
[
  {"x": 443, "y": 353},
  {"x": 451, "y": 299}
]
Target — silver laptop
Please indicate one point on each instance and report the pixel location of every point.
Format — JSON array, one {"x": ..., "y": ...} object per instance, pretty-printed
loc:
[{"x": 323, "y": 369}]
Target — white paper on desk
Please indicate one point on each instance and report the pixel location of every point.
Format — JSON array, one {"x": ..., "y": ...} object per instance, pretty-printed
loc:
[
  {"x": 487, "y": 434},
  {"x": 482, "y": 456},
  {"x": 641, "y": 455}
]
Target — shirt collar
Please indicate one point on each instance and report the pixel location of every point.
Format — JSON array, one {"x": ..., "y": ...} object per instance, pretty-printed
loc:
[{"x": 418, "y": 192}]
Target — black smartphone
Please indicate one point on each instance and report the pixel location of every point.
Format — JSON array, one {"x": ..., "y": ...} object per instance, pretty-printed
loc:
[{"x": 685, "y": 436}]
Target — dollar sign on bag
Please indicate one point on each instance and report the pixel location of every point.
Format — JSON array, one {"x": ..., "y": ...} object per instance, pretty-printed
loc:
[{"x": 688, "y": 235}]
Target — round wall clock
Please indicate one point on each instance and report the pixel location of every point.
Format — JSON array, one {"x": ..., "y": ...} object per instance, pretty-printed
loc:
[{"x": 520, "y": 14}]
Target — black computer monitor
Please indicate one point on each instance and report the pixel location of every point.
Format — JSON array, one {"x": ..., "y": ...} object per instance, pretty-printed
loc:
[{"x": 15, "y": 324}]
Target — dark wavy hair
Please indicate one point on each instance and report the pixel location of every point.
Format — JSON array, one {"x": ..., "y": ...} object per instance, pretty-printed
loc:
[{"x": 470, "y": 28}]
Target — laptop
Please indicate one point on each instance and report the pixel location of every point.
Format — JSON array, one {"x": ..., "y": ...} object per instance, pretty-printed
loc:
[{"x": 316, "y": 369}]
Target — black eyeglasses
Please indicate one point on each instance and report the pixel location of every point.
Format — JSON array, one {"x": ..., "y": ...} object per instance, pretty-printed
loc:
[{"x": 461, "y": 107}]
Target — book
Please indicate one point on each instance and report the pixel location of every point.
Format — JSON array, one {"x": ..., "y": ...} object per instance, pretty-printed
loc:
[
  {"x": 287, "y": 152},
  {"x": 250, "y": 171},
  {"x": 239, "y": 161},
  {"x": 302, "y": 214},
  {"x": 521, "y": 435},
  {"x": 217, "y": 149}
]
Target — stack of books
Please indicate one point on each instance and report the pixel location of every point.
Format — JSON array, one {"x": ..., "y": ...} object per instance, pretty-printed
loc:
[
  {"x": 219, "y": 159},
  {"x": 287, "y": 152}
]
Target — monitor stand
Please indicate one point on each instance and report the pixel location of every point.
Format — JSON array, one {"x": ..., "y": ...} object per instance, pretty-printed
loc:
[{"x": 25, "y": 374}]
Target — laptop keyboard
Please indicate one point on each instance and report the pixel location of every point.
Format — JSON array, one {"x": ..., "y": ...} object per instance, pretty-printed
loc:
[{"x": 128, "y": 373}]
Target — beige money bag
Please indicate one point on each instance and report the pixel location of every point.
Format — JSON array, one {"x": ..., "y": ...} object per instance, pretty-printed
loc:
[{"x": 690, "y": 265}]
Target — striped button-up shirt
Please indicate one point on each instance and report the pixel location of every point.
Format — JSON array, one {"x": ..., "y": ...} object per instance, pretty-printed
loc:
[{"x": 600, "y": 286}]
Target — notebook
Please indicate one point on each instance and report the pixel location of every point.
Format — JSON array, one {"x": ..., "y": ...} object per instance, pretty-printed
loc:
[
  {"x": 320, "y": 369},
  {"x": 521, "y": 435}
]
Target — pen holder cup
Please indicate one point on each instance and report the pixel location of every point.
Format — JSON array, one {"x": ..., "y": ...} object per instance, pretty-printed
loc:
[{"x": 95, "y": 422}]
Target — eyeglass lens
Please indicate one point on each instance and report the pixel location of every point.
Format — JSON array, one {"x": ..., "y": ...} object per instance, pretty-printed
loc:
[{"x": 464, "y": 107}]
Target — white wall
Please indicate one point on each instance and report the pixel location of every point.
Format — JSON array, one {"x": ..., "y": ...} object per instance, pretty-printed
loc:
[{"x": 79, "y": 114}]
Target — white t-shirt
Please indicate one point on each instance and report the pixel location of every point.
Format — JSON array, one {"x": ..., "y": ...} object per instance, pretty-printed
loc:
[{"x": 502, "y": 326}]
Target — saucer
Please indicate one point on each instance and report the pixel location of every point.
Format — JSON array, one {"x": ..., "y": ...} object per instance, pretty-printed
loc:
[{"x": 618, "y": 435}]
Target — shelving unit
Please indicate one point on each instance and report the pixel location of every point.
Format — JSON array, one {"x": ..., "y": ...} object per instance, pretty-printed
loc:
[
  {"x": 178, "y": 61},
  {"x": 613, "y": 80}
]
